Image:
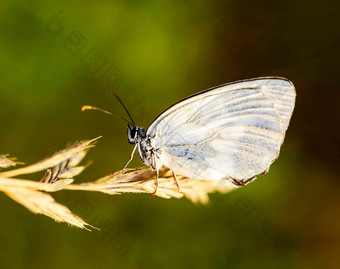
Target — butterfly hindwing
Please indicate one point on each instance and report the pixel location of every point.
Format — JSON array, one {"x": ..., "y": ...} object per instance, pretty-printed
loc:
[{"x": 232, "y": 131}]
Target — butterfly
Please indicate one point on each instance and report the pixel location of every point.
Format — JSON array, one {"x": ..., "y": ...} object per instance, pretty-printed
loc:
[{"x": 230, "y": 132}]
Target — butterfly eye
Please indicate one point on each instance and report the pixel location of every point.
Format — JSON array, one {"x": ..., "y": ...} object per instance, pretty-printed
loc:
[{"x": 131, "y": 134}]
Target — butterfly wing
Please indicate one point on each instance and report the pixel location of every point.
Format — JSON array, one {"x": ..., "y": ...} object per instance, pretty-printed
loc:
[{"x": 231, "y": 131}]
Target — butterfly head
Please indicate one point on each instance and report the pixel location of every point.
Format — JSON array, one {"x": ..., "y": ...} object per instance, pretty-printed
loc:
[{"x": 135, "y": 134}]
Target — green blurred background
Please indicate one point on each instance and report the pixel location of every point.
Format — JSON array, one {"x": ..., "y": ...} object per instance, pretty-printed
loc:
[{"x": 56, "y": 57}]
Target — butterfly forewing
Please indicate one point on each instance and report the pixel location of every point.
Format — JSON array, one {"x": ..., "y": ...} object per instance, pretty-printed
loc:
[{"x": 232, "y": 131}]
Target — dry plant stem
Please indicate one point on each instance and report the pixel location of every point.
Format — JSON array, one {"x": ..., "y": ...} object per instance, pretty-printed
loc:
[
  {"x": 143, "y": 181},
  {"x": 24, "y": 183},
  {"x": 129, "y": 181},
  {"x": 55, "y": 159},
  {"x": 60, "y": 169},
  {"x": 42, "y": 203},
  {"x": 63, "y": 166}
]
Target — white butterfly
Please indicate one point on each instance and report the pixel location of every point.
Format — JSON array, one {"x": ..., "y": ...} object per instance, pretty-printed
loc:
[{"x": 232, "y": 132}]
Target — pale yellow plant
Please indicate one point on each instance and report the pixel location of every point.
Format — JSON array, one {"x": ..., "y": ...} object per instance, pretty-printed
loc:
[{"x": 63, "y": 166}]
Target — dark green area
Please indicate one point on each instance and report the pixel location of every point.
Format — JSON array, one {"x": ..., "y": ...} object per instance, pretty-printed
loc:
[{"x": 56, "y": 57}]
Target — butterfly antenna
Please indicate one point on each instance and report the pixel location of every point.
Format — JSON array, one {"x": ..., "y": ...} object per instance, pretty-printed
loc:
[
  {"x": 105, "y": 111},
  {"x": 121, "y": 102}
]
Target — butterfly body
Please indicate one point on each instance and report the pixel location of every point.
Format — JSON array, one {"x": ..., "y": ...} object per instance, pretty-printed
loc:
[{"x": 147, "y": 153}]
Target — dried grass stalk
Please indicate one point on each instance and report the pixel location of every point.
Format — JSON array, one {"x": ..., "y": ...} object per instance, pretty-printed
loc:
[
  {"x": 73, "y": 154},
  {"x": 62, "y": 166},
  {"x": 43, "y": 203},
  {"x": 143, "y": 181}
]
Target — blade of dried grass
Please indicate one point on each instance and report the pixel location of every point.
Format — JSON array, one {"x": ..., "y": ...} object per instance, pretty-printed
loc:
[
  {"x": 7, "y": 162},
  {"x": 77, "y": 150},
  {"x": 33, "y": 185},
  {"x": 61, "y": 168},
  {"x": 43, "y": 203}
]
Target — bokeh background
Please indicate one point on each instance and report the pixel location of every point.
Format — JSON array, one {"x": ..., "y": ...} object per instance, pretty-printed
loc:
[{"x": 57, "y": 56}]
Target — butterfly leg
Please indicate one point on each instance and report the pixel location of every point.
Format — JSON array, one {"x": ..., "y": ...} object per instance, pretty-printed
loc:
[
  {"x": 238, "y": 183},
  {"x": 154, "y": 165},
  {"x": 174, "y": 175},
  {"x": 156, "y": 182},
  {"x": 131, "y": 156}
]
